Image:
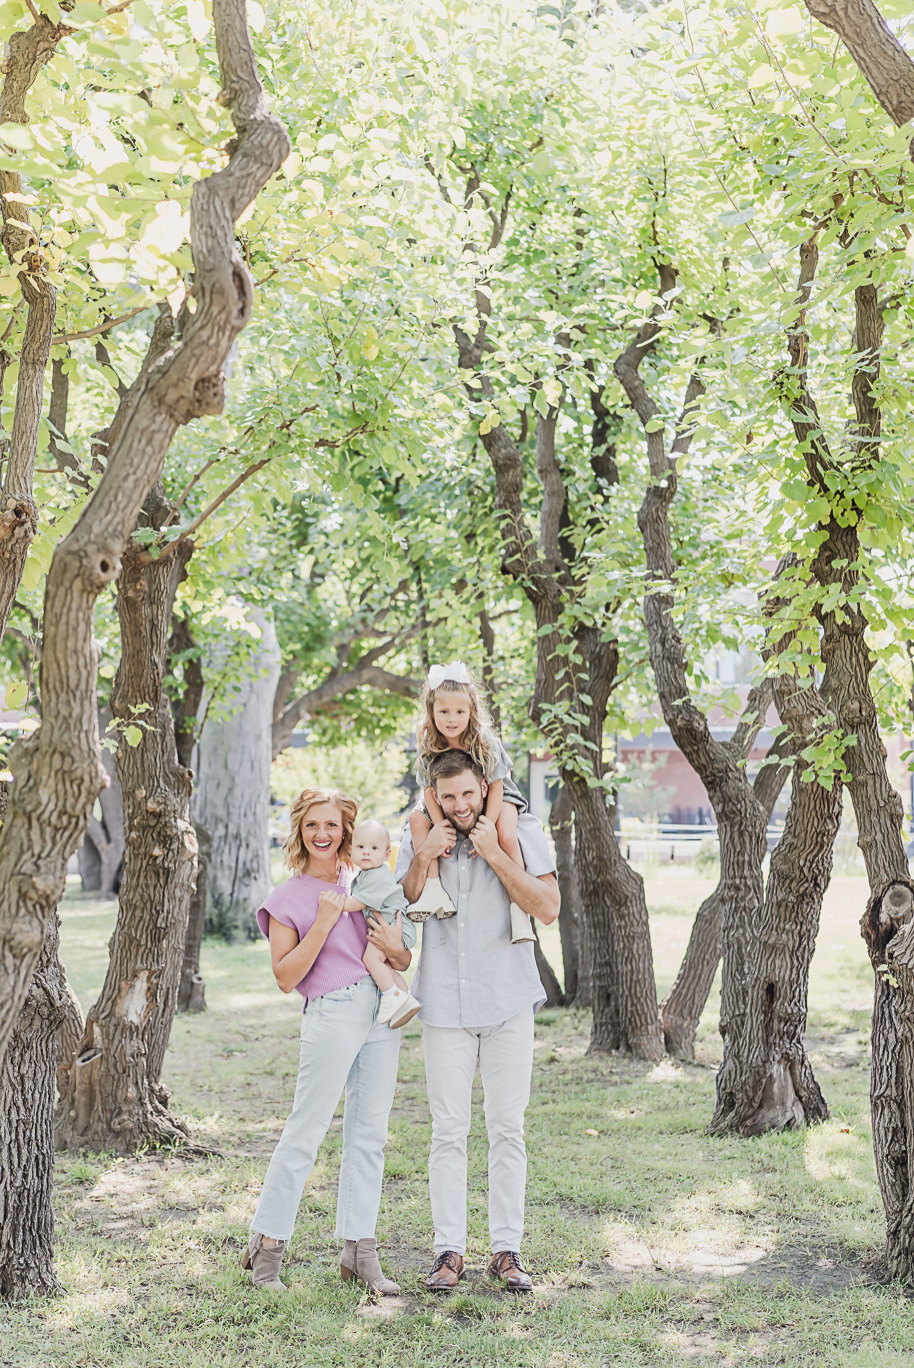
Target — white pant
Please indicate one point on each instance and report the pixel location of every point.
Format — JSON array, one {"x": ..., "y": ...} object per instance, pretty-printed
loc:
[
  {"x": 342, "y": 1047},
  {"x": 505, "y": 1056}
]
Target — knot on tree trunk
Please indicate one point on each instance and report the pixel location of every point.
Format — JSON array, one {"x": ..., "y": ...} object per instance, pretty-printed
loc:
[
  {"x": 206, "y": 397},
  {"x": 888, "y": 910},
  {"x": 19, "y": 518}
]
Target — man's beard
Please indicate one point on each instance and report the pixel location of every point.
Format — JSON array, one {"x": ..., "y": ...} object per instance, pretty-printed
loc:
[{"x": 468, "y": 826}]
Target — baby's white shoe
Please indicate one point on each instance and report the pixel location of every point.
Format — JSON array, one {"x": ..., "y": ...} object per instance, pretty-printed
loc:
[
  {"x": 431, "y": 902},
  {"x": 521, "y": 926},
  {"x": 397, "y": 1008}
]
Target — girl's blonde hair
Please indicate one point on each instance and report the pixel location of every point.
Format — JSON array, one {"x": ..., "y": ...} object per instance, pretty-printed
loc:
[
  {"x": 296, "y": 854},
  {"x": 429, "y": 740}
]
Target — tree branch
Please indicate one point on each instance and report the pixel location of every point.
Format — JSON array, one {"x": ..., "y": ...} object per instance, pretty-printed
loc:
[
  {"x": 101, "y": 328},
  {"x": 875, "y": 49}
]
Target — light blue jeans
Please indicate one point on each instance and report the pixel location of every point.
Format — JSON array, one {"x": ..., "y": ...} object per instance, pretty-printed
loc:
[{"x": 342, "y": 1047}]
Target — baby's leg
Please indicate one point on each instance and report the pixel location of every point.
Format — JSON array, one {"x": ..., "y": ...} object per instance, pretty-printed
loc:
[
  {"x": 379, "y": 969},
  {"x": 419, "y": 828},
  {"x": 506, "y": 826}
]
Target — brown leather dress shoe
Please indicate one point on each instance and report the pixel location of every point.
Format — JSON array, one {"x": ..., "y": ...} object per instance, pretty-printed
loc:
[
  {"x": 446, "y": 1272},
  {"x": 507, "y": 1267}
]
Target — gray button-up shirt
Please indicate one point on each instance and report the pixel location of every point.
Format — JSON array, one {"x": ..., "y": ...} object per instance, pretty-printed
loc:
[{"x": 470, "y": 975}]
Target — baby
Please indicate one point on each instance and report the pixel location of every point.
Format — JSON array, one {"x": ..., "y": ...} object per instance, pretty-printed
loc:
[{"x": 374, "y": 888}]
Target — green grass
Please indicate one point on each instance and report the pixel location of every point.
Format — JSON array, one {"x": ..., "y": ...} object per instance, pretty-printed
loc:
[{"x": 650, "y": 1243}]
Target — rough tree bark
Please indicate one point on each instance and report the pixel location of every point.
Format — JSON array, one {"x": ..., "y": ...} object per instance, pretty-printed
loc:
[
  {"x": 115, "y": 1099},
  {"x": 875, "y": 49},
  {"x": 681, "y": 1009},
  {"x": 766, "y": 1081},
  {"x": 877, "y": 807},
  {"x": 561, "y": 824},
  {"x": 192, "y": 988},
  {"x": 741, "y": 819},
  {"x": 186, "y": 711},
  {"x": 57, "y": 770},
  {"x": 27, "y": 1077},
  {"x": 28, "y": 53},
  {"x": 617, "y": 937},
  {"x": 232, "y": 798},
  {"x": 101, "y": 854},
  {"x": 69, "y": 1034}
]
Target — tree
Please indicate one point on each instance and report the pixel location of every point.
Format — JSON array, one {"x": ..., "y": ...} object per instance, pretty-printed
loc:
[
  {"x": 58, "y": 771},
  {"x": 681, "y": 1009},
  {"x": 29, "y": 51},
  {"x": 232, "y": 800}
]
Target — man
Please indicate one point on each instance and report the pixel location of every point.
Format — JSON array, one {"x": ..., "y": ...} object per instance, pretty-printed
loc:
[{"x": 479, "y": 993}]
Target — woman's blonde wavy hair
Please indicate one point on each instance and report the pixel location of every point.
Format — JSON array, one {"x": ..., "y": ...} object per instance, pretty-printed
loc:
[
  {"x": 296, "y": 855},
  {"x": 429, "y": 740}
]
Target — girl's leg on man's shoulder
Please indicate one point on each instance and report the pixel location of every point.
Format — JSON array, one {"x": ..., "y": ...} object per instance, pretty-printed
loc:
[
  {"x": 369, "y": 1096},
  {"x": 506, "y": 826},
  {"x": 333, "y": 1031},
  {"x": 419, "y": 828}
]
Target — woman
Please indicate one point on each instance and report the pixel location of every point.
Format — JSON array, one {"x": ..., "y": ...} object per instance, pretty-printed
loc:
[{"x": 319, "y": 952}]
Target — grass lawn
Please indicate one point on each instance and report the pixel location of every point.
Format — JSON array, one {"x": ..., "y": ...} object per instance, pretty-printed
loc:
[{"x": 650, "y": 1243}]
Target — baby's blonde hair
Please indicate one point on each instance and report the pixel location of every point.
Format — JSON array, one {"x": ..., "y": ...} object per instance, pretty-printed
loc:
[
  {"x": 430, "y": 742},
  {"x": 378, "y": 826},
  {"x": 296, "y": 854}
]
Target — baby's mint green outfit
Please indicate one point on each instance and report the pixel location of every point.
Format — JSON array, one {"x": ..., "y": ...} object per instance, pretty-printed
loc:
[{"x": 379, "y": 890}]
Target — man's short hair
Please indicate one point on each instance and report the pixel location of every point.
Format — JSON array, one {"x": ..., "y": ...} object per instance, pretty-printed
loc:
[{"x": 451, "y": 763}]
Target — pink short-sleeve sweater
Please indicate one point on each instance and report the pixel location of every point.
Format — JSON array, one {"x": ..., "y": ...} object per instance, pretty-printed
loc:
[{"x": 339, "y": 962}]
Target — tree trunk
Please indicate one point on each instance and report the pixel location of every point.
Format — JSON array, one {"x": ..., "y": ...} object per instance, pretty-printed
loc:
[
  {"x": 877, "y": 807},
  {"x": 875, "y": 49},
  {"x": 741, "y": 819},
  {"x": 561, "y": 824},
  {"x": 623, "y": 996},
  {"x": 681, "y": 1009},
  {"x": 192, "y": 989},
  {"x": 576, "y": 669},
  {"x": 28, "y": 51},
  {"x": 554, "y": 995},
  {"x": 616, "y": 936},
  {"x": 887, "y": 925},
  {"x": 70, "y": 1033},
  {"x": 233, "y": 794},
  {"x": 58, "y": 771},
  {"x": 583, "y": 874},
  {"x": 766, "y": 1081},
  {"x": 115, "y": 1099},
  {"x": 101, "y": 855},
  {"x": 683, "y": 1005},
  {"x": 27, "y": 1132}
]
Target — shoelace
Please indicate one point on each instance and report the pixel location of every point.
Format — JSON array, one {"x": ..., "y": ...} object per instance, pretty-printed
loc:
[
  {"x": 508, "y": 1258},
  {"x": 445, "y": 1260}
]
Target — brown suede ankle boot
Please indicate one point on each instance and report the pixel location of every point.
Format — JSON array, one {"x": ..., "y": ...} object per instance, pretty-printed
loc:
[
  {"x": 264, "y": 1263},
  {"x": 359, "y": 1260}
]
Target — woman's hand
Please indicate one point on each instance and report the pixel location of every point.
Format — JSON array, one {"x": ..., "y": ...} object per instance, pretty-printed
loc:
[
  {"x": 388, "y": 939},
  {"x": 330, "y": 907}
]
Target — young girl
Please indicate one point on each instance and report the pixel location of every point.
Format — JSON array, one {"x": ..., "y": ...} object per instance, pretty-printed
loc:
[{"x": 455, "y": 718}]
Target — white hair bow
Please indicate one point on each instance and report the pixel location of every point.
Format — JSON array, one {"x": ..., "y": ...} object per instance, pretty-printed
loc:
[{"x": 456, "y": 671}]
